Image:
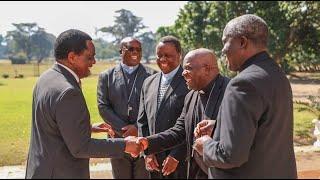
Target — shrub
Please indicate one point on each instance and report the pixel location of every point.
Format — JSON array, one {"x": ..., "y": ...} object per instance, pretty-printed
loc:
[
  {"x": 18, "y": 59},
  {"x": 314, "y": 105},
  {"x": 19, "y": 76},
  {"x": 5, "y": 76}
]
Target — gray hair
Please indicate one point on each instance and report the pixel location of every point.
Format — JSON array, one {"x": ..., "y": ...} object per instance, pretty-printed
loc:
[{"x": 251, "y": 26}]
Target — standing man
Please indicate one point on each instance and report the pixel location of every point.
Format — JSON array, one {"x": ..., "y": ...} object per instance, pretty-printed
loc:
[
  {"x": 118, "y": 102},
  {"x": 61, "y": 144},
  {"x": 161, "y": 103},
  {"x": 254, "y": 133},
  {"x": 202, "y": 77}
]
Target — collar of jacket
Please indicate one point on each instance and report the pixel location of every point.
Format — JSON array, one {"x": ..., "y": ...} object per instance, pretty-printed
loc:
[{"x": 255, "y": 58}]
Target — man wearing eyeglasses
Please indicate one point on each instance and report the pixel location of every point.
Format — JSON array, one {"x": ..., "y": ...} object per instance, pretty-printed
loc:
[{"x": 118, "y": 96}]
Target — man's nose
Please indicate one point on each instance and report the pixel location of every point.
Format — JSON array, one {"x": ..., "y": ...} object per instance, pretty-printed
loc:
[{"x": 184, "y": 73}]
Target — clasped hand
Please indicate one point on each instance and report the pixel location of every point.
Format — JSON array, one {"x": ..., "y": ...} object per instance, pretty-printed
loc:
[
  {"x": 135, "y": 145},
  {"x": 203, "y": 133}
]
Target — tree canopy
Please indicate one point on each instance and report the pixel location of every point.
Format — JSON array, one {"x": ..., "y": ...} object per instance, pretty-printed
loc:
[
  {"x": 294, "y": 28},
  {"x": 29, "y": 41}
]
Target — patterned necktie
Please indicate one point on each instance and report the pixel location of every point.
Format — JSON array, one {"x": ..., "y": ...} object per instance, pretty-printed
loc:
[{"x": 162, "y": 90}]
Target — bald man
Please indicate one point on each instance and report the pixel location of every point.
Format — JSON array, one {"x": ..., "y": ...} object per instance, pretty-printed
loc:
[
  {"x": 202, "y": 102},
  {"x": 118, "y": 103},
  {"x": 253, "y": 138}
]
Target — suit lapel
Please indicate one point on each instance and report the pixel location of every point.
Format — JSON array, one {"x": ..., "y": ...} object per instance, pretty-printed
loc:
[
  {"x": 139, "y": 79},
  {"x": 177, "y": 79},
  {"x": 120, "y": 81},
  {"x": 213, "y": 99}
]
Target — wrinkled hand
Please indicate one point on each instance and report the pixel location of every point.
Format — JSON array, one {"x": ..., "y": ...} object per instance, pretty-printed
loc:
[
  {"x": 102, "y": 127},
  {"x": 129, "y": 130},
  {"x": 205, "y": 127},
  {"x": 170, "y": 164},
  {"x": 132, "y": 147},
  {"x": 143, "y": 142},
  {"x": 151, "y": 163},
  {"x": 198, "y": 143}
]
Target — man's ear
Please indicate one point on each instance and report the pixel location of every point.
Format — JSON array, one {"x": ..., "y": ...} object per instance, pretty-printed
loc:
[
  {"x": 243, "y": 41},
  {"x": 71, "y": 57}
]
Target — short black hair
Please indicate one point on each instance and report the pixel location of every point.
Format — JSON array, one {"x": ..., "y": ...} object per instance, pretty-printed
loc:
[
  {"x": 125, "y": 41},
  {"x": 173, "y": 40},
  {"x": 72, "y": 40}
]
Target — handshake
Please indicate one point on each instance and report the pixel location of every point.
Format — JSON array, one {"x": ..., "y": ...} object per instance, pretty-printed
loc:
[{"x": 135, "y": 145}]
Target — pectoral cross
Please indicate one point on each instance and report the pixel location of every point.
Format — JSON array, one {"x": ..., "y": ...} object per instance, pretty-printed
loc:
[{"x": 129, "y": 110}]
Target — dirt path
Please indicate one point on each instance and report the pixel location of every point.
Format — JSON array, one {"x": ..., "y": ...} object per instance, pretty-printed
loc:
[
  {"x": 308, "y": 162},
  {"x": 307, "y": 158}
]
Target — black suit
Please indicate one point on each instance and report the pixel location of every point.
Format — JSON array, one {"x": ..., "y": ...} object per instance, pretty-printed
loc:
[
  {"x": 113, "y": 103},
  {"x": 153, "y": 120},
  {"x": 186, "y": 123},
  {"x": 254, "y": 133},
  {"x": 61, "y": 143}
]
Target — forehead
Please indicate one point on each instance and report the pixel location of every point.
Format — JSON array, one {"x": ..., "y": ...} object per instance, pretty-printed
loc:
[
  {"x": 90, "y": 46},
  {"x": 189, "y": 60},
  {"x": 166, "y": 46},
  {"x": 133, "y": 43}
]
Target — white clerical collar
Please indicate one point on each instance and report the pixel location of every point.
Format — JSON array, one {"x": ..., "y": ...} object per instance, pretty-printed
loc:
[
  {"x": 128, "y": 69},
  {"x": 68, "y": 69},
  {"x": 166, "y": 78}
]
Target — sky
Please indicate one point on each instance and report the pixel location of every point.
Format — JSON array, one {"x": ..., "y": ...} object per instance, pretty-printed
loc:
[{"x": 58, "y": 16}]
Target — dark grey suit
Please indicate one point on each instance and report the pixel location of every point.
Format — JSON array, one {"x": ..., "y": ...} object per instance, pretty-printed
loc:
[
  {"x": 152, "y": 120},
  {"x": 254, "y": 133},
  {"x": 61, "y": 143},
  {"x": 183, "y": 129},
  {"x": 113, "y": 107}
]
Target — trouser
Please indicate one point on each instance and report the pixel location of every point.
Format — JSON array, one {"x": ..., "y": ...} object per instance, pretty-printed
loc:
[
  {"x": 195, "y": 171},
  {"x": 129, "y": 168}
]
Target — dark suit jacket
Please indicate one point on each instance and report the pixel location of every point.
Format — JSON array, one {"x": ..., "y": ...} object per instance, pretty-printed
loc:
[
  {"x": 254, "y": 133},
  {"x": 151, "y": 121},
  {"x": 61, "y": 143},
  {"x": 183, "y": 129},
  {"x": 113, "y": 96}
]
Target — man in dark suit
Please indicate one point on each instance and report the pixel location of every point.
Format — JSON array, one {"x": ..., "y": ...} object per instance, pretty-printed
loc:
[
  {"x": 161, "y": 102},
  {"x": 61, "y": 143},
  {"x": 118, "y": 103},
  {"x": 254, "y": 133},
  {"x": 202, "y": 77}
]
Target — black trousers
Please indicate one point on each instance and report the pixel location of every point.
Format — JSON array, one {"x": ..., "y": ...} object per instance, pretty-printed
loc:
[{"x": 129, "y": 168}]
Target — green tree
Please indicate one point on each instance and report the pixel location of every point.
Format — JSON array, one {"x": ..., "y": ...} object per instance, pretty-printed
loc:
[
  {"x": 31, "y": 40},
  {"x": 105, "y": 50},
  {"x": 148, "y": 41},
  {"x": 126, "y": 24},
  {"x": 294, "y": 28},
  {"x": 20, "y": 39},
  {"x": 3, "y": 48},
  {"x": 42, "y": 43}
]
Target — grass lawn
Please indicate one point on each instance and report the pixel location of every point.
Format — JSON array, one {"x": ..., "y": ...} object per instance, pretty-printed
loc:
[
  {"x": 15, "y": 111},
  {"x": 303, "y": 126}
]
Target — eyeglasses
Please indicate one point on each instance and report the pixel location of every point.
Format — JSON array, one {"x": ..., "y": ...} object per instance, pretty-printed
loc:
[{"x": 131, "y": 49}]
